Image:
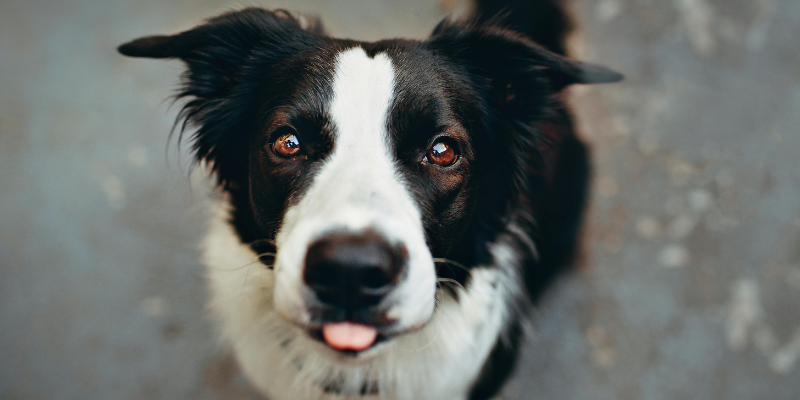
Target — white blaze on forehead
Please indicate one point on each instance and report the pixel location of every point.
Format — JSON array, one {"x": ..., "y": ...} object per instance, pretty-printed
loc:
[
  {"x": 363, "y": 89},
  {"x": 359, "y": 183}
]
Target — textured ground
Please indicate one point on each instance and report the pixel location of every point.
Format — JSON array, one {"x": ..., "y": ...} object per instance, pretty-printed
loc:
[{"x": 690, "y": 280}]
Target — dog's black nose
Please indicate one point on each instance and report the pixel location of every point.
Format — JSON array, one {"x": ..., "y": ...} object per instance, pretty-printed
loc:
[{"x": 353, "y": 271}]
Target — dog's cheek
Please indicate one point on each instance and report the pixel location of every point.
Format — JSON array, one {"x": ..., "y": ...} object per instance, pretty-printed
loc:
[
  {"x": 269, "y": 191},
  {"x": 446, "y": 218},
  {"x": 454, "y": 222}
]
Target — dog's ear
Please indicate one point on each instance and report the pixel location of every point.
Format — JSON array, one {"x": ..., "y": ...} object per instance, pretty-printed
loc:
[
  {"x": 508, "y": 57},
  {"x": 219, "y": 55}
]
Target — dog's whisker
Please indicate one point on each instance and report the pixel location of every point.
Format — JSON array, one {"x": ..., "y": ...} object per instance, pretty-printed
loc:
[
  {"x": 453, "y": 281},
  {"x": 432, "y": 341},
  {"x": 246, "y": 275},
  {"x": 435, "y": 324},
  {"x": 457, "y": 283},
  {"x": 270, "y": 265},
  {"x": 270, "y": 241},
  {"x": 235, "y": 268},
  {"x": 451, "y": 262},
  {"x": 263, "y": 285}
]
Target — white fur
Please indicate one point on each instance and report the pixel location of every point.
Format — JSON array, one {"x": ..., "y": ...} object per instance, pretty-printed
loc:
[{"x": 357, "y": 188}]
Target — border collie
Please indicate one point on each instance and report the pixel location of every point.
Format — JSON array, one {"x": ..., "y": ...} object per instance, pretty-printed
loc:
[{"x": 392, "y": 209}]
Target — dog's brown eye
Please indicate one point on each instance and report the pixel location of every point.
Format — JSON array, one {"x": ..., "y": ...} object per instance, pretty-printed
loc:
[
  {"x": 442, "y": 154},
  {"x": 287, "y": 145}
]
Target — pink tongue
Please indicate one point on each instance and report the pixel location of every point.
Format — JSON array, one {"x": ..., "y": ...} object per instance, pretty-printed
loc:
[{"x": 349, "y": 336}]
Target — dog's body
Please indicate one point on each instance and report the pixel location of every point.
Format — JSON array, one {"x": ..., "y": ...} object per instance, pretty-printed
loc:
[{"x": 391, "y": 209}]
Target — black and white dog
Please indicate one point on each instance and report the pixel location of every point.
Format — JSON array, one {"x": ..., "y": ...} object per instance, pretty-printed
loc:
[{"x": 391, "y": 209}]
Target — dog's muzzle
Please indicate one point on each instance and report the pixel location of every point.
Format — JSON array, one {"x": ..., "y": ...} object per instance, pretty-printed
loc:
[{"x": 352, "y": 277}]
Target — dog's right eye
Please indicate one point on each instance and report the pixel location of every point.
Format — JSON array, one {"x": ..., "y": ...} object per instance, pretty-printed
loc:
[
  {"x": 287, "y": 145},
  {"x": 443, "y": 153}
]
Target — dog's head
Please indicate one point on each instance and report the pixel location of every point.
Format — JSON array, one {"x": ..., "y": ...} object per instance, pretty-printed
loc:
[{"x": 363, "y": 162}]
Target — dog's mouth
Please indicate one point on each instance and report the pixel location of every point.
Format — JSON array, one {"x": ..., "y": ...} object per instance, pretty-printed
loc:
[{"x": 349, "y": 337}]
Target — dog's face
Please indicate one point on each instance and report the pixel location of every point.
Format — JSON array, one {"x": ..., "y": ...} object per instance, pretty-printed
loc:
[
  {"x": 363, "y": 162},
  {"x": 369, "y": 163}
]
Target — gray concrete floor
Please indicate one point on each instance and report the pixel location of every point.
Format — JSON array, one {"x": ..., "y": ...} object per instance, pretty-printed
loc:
[{"x": 689, "y": 286}]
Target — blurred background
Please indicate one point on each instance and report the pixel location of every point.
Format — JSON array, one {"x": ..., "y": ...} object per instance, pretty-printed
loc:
[{"x": 689, "y": 280}]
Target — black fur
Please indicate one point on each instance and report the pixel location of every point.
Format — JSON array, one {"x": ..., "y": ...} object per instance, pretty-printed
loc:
[
  {"x": 544, "y": 21},
  {"x": 254, "y": 74}
]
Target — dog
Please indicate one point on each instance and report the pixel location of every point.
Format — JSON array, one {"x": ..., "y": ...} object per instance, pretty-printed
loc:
[{"x": 390, "y": 210}]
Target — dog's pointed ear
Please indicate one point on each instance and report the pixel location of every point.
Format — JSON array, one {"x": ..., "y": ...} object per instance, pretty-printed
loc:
[
  {"x": 153, "y": 47},
  {"x": 221, "y": 55},
  {"x": 218, "y": 49},
  {"x": 565, "y": 71},
  {"x": 501, "y": 53}
]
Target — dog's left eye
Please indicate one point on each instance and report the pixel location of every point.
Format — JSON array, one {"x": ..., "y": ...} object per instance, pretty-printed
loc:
[
  {"x": 287, "y": 145},
  {"x": 443, "y": 153}
]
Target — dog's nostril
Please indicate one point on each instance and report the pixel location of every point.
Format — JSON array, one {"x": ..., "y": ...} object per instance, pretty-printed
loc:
[
  {"x": 375, "y": 278},
  {"x": 322, "y": 277},
  {"x": 352, "y": 271}
]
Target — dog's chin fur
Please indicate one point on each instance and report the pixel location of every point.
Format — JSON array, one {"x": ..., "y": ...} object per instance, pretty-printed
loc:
[{"x": 439, "y": 361}]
